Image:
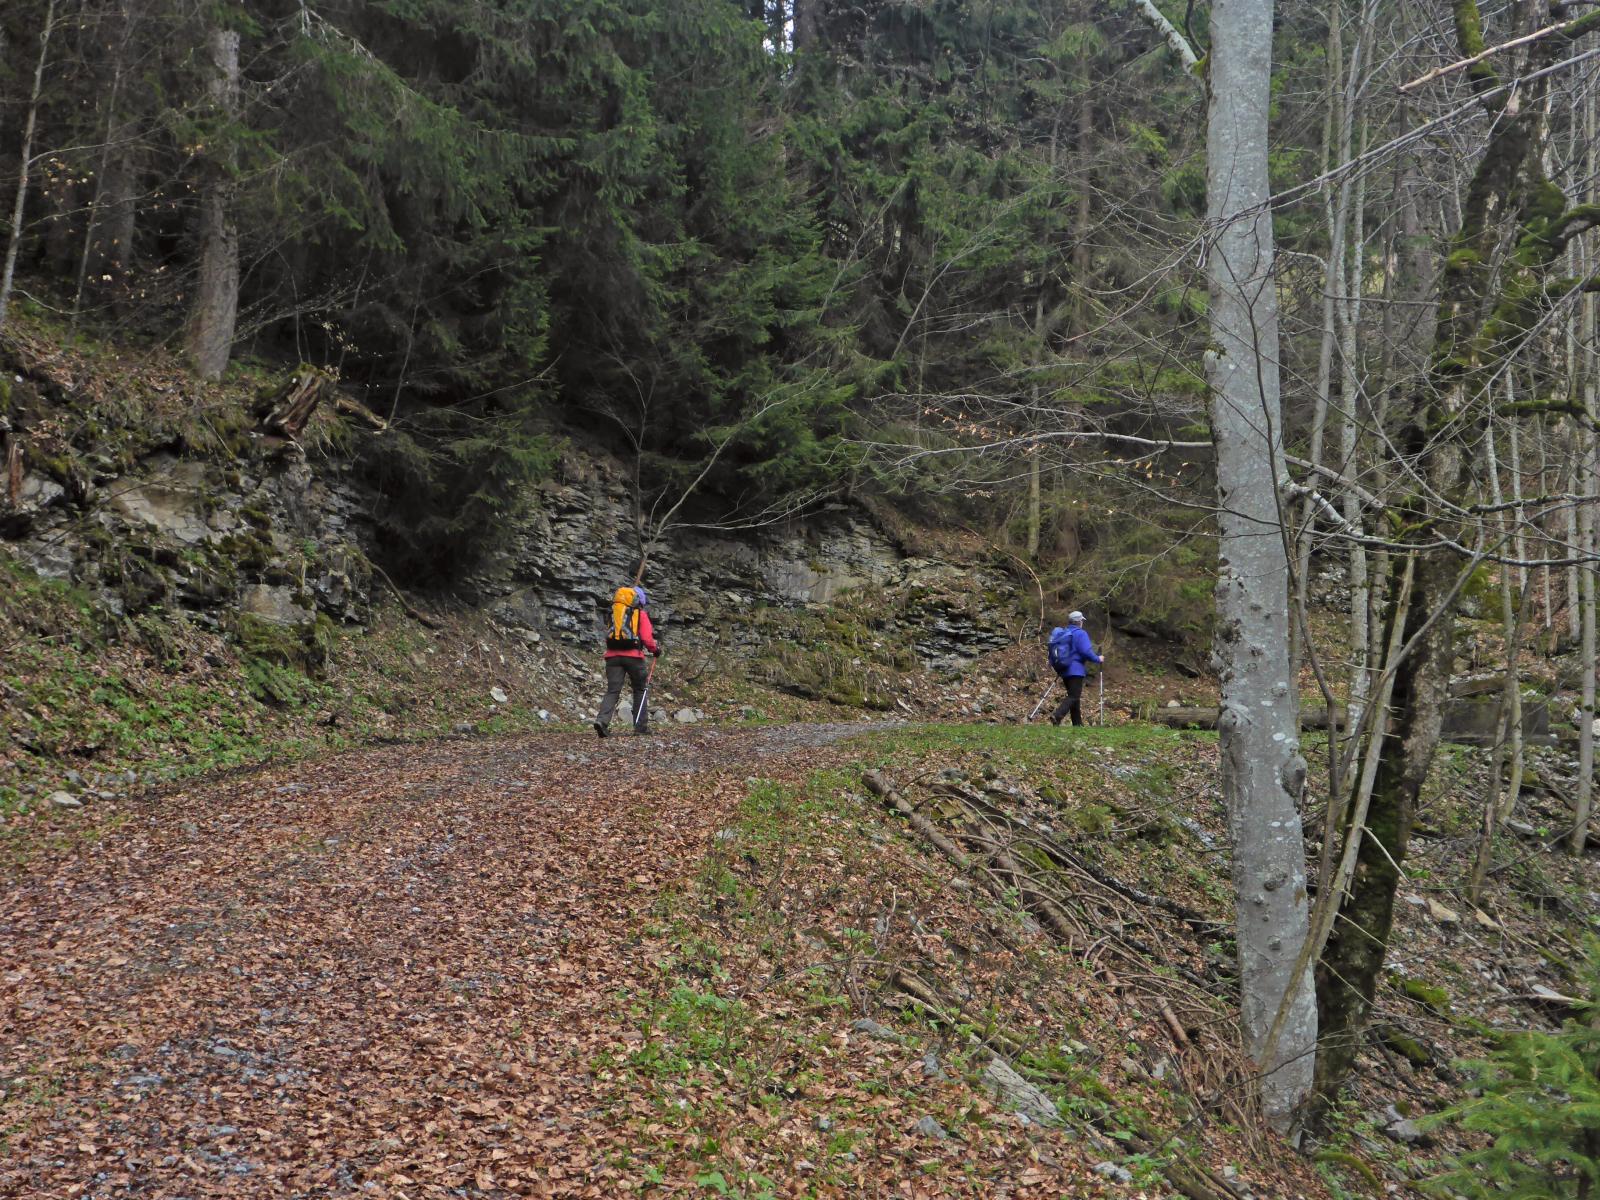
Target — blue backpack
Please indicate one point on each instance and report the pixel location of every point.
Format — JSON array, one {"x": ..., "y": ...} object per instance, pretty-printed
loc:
[{"x": 1060, "y": 649}]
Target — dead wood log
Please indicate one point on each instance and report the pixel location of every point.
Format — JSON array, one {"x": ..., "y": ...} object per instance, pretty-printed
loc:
[
  {"x": 882, "y": 788},
  {"x": 420, "y": 618},
  {"x": 353, "y": 408}
]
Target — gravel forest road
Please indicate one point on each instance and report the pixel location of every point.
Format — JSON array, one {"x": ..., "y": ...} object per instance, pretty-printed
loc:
[{"x": 383, "y": 973}]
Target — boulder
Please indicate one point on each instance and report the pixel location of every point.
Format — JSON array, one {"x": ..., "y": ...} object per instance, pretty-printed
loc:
[
  {"x": 1475, "y": 720},
  {"x": 170, "y": 499},
  {"x": 1017, "y": 1093},
  {"x": 275, "y": 605}
]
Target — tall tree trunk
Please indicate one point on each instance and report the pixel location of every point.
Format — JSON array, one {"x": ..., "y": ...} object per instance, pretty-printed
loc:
[
  {"x": 1034, "y": 504},
  {"x": 807, "y": 25},
  {"x": 8, "y": 273},
  {"x": 1508, "y": 751},
  {"x": 216, "y": 302},
  {"x": 1591, "y": 480},
  {"x": 1262, "y": 771},
  {"x": 1351, "y": 389},
  {"x": 108, "y": 235},
  {"x": 1586, "y": 598},
  {"x": 1336, "y": 212}
]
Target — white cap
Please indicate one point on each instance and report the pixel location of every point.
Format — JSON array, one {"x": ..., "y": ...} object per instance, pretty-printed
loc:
[{"x": 1075, "y": 617}]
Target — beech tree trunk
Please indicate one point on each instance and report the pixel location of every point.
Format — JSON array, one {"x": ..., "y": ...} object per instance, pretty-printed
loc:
[
  {"x": 216, "y": 302},
  {"x": 1262, "y": 771},
  {"x": 1590, "y": 477}
]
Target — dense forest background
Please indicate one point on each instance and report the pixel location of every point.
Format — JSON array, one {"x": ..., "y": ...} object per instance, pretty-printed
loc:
[{"x": 796, "y": 237}]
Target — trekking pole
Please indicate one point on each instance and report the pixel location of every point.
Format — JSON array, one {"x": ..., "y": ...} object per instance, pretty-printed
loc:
[
  {"x": 644, "y": 696},
  {"x": 1101, "y": 719},
  {"x": 1042, "y": 699}
]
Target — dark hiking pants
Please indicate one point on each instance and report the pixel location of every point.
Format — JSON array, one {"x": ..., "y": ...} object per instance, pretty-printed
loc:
[
  {"x": 634, "y": 671},
  {"x": 1069, "y": 703}
]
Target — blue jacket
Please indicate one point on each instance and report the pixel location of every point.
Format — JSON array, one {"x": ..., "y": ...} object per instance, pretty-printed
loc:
[{"x": 1078, "y": 654}]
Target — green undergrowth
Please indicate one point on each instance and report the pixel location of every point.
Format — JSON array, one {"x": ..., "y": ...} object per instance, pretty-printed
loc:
[{"x": 83, "y": 690}]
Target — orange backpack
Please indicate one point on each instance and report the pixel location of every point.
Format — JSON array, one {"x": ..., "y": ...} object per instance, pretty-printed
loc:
[{"x": 623, "y": 633}]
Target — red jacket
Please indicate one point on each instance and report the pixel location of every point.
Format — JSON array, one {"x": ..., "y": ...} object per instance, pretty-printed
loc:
[{"x": 647, "y": 635}]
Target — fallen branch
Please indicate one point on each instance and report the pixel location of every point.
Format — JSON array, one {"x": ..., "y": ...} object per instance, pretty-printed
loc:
[{"x": 421, "y": 618}]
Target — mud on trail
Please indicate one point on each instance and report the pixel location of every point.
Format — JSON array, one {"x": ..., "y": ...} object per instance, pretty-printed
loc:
[{"x": 383, "y": 973}]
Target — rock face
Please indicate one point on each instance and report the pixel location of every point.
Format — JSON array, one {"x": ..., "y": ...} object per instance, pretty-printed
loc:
[
  {"x": 265, "y": 537},
  {"x": 1475, "y": 720},
  {"x": 270, "y": 538},
  {"x": 576, "y": 548},
  {"x": 170, "y": 499}
]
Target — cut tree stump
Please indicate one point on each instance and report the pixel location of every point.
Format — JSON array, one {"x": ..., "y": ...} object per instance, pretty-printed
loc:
[{"x": 289, "y": 409}]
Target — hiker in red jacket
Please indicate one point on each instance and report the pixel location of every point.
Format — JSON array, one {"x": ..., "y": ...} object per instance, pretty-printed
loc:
[{"x": 629, "y": 637}]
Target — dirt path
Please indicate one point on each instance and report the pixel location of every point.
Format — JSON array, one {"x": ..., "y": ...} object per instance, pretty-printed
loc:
[{"x": 381, "y": 974}]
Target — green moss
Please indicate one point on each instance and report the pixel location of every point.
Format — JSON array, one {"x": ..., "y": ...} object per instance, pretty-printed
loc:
[
  {"x": 1405, "y": 1046},
  {"x": 1436, "y": 999}
]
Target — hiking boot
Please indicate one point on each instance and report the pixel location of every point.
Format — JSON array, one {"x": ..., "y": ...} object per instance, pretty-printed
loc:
[{"x": 599, "y": 729}]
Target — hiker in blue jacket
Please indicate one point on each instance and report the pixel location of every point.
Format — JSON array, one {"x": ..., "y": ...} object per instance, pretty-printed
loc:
[{"x": 1071, "y": 652}]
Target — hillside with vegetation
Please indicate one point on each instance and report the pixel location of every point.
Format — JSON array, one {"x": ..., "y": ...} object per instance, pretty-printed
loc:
[{"x": 351, "y": 356}]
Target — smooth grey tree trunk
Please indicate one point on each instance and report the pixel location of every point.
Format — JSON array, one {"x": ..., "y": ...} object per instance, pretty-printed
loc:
[
  {"x": 8, "y": 273},
  {"x": 216, "y": 302},
  {"x": 1262, "y": 771},
  {"x": 1590, "y": 480}
]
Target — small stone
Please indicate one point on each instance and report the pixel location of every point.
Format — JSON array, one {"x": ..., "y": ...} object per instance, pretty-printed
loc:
[
  {"x": 685, "y": 716},
  {"x": 1110, "y": 1170},
  {"x": 1403, "y": 1131},
  {"x": 928, "y": 1127},
  {"x": 65, "y": 800},
  {"x": 544, "y": 715},
  {"x": 1016, "y": 1092},
  {"x": 465, "y": 727},
  {"x": 74, "y": 779},
  {"x": 823, "y": 1124},
  {"x": 1441, "y": 914},
  {"x": 873, "y": 1028},
  {"x": 498, "y": 695},
  {"x": 932, "y": 1068}
]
